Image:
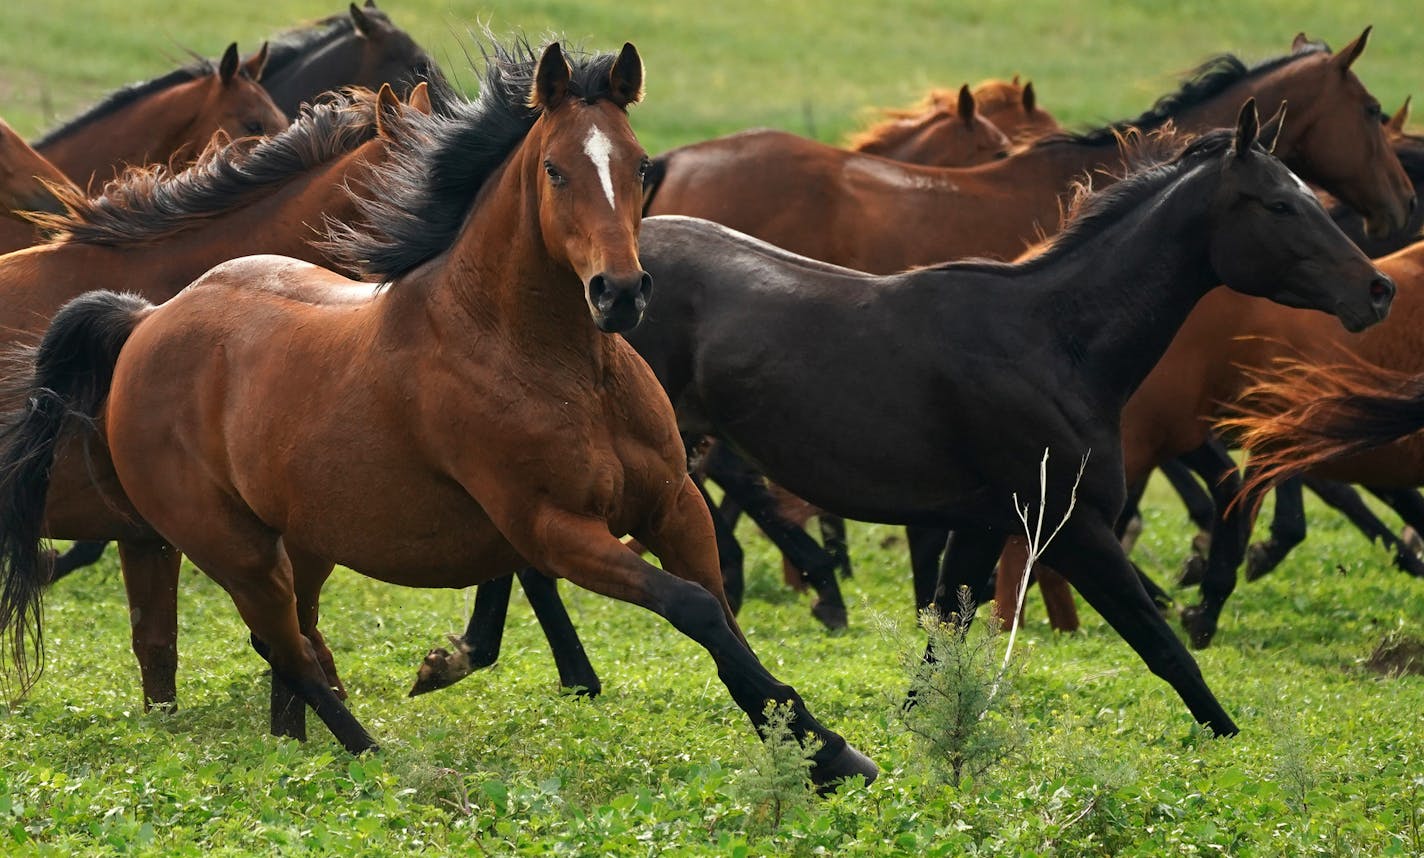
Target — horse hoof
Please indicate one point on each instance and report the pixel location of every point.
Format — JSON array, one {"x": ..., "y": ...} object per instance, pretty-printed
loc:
[
  {"x": 833, "y": 617},
  {"x": 1200, "y": 630},
  {"x": 846, "y": 763},
  {"x": 1411, "y": 539},
  {"x": 1258, "y": 561},
  {"x": 1192, "y": 570},
  {"x": 443, "y": 668}
]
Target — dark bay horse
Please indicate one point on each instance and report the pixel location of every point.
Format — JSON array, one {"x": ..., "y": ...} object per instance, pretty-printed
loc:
[
  {"x": 27, "y": 180},
  {"x": 961, "y": 137},
  {"x": 574, "y": 439},
  {"x": 985, "y": 365},
  {"x": 358, "y": 47},
  {"x": 151, "y": 235},
  {"x": 881, "y": 216},
  {"x": 165, "y": 120}
]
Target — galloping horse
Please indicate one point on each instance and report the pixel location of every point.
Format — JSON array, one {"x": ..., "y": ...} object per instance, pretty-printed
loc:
[
  {"x": 169, "y": 119},
  {"x": 953, "y": 380},
  {"x": 881, "y": 216},
  {"x": 26, "y": 182},
  {"x": 151, "y": 234},
  {"x": 468, "y": 417},
  {"x": 358, "y": 47}
]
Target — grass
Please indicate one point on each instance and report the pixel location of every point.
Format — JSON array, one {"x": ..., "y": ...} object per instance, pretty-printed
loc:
[{"x": 1329, "y": 760}]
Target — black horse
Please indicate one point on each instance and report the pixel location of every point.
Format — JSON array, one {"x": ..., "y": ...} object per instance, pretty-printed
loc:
[{"x": 953, "y": 380}]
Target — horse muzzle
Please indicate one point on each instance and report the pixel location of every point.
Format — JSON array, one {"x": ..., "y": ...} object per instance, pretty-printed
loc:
[
  {"x": 618, "y": 302},
  {"x": 1381, "y": 297}
]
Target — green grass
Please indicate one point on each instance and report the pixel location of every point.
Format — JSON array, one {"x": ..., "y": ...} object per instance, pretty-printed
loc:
[{"x": 1330, "y": 758}]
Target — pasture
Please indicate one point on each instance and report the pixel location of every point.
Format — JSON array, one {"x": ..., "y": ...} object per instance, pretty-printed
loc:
[{"x": 1330, "y": 759}]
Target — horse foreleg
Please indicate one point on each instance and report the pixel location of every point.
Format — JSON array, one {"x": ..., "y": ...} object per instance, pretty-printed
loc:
[
  {"x": 478, "y": 647},
  {"x": 926, "y": 545},
  {"x": 1089, "y": 555},
  {"x": 1228, "y": 543},
  {"x": 1288, "y": 523},
  {"x": 1409, "y": 505},
  {"x": 576, "y": 673},
  {"x": 150, "y": 571},
  {"x": 729, "y": 550}
]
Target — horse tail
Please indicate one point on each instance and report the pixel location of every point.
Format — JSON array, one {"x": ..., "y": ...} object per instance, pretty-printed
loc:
[
  {"x": 1302, "y": 415},
  {"x": 69, "y": 377},
  {"x": 652, "y": 180}
]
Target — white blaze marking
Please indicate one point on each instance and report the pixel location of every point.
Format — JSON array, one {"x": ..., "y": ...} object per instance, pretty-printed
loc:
[{"x": 598, "y": 147}]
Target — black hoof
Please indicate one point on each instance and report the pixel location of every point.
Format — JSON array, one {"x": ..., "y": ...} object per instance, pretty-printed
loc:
[
  {"x": 833, "y": 617},
  {"x": 1192, "y": 570},
  {"x": 1200, "y": 628},
  {"x": 846, "y": 763},
  {"x": 1258, "y": 561}
]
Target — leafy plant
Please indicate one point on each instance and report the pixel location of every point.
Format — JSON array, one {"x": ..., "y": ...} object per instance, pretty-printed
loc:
[{"x": 777, "y": 778}]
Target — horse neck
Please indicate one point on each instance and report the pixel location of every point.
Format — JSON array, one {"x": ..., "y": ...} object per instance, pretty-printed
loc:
[
  {"x": 148, "y": 131},
  {"x": 334, "y": 64},
  {"x": 1119, "y": 297},
  {"x": 500, "y": 276}
]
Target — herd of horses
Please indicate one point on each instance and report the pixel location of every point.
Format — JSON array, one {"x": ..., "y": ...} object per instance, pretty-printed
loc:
[{"x": 552, "y": 341}]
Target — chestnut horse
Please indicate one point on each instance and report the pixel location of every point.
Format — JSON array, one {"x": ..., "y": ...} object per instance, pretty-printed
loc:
[
  {"x": 574, "y": 439},
  {"x": 939, "y": 138},
  {"x": 880, "y": 216},
  {"x": 993, "y": 363},
  {"x": 169, "y": 119},
  {"x": 358, "y": 47},
  {"x": 27, "y": 181},
  {"x": 151, "y": 234}
]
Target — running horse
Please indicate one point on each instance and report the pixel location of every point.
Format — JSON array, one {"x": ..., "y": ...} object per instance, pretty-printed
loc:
[
  {"x": 573, "y": 439},
  {"x": 169, "y": 119},
  {"x": 993, "y": 363},
  {"x": 151, "y": 234}
]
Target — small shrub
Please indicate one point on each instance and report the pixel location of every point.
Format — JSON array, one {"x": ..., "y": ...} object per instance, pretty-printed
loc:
[{"x": 776, "y": 781}]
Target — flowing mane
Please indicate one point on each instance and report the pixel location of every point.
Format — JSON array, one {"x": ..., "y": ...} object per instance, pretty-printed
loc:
[
  {"x": 1203, "y": 83},
  {"x": 417, "y": 202},
  {"x": 150, "y": 203},
  {"x": 127, "y": 95},
  {"x": 1155, "y": 160}
]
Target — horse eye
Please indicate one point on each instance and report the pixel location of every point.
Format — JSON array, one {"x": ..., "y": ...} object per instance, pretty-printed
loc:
[
  {"x": 1373, "y": 111},
  {"x": 1279, "y": 207},
  {"x": 553, "y": 172},
  {"x": 255, "y": 128},
  {"x": 643, "y": 167},
  {"x": 1001, "y": 155}
]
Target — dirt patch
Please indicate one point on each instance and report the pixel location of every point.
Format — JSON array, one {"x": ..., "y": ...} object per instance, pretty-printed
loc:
[{"x": 1398, "y": 655}]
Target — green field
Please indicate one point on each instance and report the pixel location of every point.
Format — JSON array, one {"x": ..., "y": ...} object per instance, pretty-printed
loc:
[{"x": 1330, "y": 760}]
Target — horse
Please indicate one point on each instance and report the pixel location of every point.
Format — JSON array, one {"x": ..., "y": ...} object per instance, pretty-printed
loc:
[
  {"x": 1013, "y": 106},
  {"x": 875, "y": 215},
  {"x": 940, "y": 138},
  {"x": 358, "y": 47},
  {"x": 152, "y": 233},
  {"x": 575, "y": 439},
  {"x": 986, "y": 365},
  {"x": 26, "y": 184},
  {"x": 167, "y": 120}
]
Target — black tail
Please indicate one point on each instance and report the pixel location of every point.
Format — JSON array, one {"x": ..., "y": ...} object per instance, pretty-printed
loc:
[
  {"x": 72, "y": 370},
  {"x": 653, "y": 179}
]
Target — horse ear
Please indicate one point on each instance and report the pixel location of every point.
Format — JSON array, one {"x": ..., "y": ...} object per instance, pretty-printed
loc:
[
  {"x": 551, "y": 79},
  {"x": 420, "y": 98},
  {"x": 1015, "y": 81},
  {"x": 1271, "y": 129},
  {"x": 387, "y": 108},
  {"x": 1352, "y": 51},
  {"x": 370, "y": 4},
  {"x": 1248, "y": 125},
  {"x": 626, "y": 76},
  {"x": 364, "y": 25},
  {"x": 1401, "y": 116},
  {"x": 1030, "y": 99},
  {"x": 1299, "y": 43},
  {"x": 256, "y": 63},
  {"x": 966, "y": 105},
  {"x": 227, "y": 67}
]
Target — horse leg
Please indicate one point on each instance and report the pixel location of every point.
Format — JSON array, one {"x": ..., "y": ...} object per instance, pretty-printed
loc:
[
  {"x": 1129, "y": 524},
  {"x": 1228, "y": 544},
  {"x": 150, "y": 571},
  {"x": 289, "y": 712},
  {"x": 478, "y": 647},
  {"x": 747, "y": 486},
  {"x": 1288, "y": 524},
  {"x": 690, "y": 596},
  {"x": 1089, "y": 555},
  {"x": 729, "y": 550},
  {"x": 79, "y": 555},
  {"x": 926, "y": 544},
  {"x": 1409, "y": 505},
  {"x": 575, "y": 671},
  {"x": 1057, "y": 600},
  {"x": 833, "y": 540},
  {"x": 1201, "y": 508}
]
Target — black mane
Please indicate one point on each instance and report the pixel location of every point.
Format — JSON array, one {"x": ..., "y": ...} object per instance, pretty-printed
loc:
[
  {"x": 288, "y": 46},
  {"x": 1203, "y": 83},
  {"x": 1096, "y": 211},
  {"x": 152, "y": 202},
  {"x": 127, "y": 95},
  {"x": 417, "y": 202}
]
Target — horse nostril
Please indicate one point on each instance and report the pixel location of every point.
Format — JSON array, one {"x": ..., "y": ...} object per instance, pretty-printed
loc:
[
  {"x": 645, "y": 285},
  {"x": 1413, "y": 203},
  {"x": 1381, "y": 290},
  {"x": 597, "y": 286}
]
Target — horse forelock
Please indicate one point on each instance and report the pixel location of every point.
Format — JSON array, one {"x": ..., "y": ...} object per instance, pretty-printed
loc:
[
  {"x": 149, "y": 203},
  {"x": 414, "y": 205}
]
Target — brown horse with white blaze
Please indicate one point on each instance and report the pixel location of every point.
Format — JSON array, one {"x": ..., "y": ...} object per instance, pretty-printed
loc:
[{"x": 466, "y": 419}]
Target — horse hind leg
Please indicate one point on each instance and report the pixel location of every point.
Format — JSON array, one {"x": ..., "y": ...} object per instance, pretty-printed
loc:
[
  {"x": 689, "y": 595},
  {"x": 150, "y": 571},
  {"x": 288, "y": 711}
]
